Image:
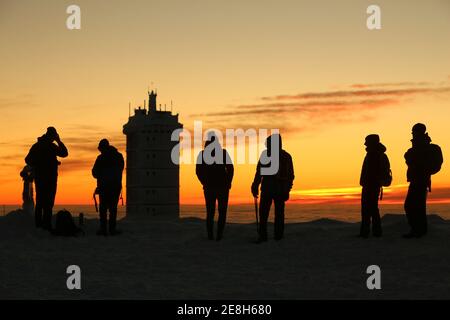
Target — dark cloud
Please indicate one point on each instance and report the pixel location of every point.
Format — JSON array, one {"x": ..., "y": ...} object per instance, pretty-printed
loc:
[
  {"x": 358, "y": 93},
  {"x": 295, "y": 117},
  {"x": 312, "y": 110},
  {"x": 389, "y": 84},
  {"x": 306, "y": 107}
]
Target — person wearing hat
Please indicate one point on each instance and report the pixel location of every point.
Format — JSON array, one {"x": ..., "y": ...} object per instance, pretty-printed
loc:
[
  {"x": 108, "y": 170},
  {"x": 374, "y": 166},
  {"x": 423, "y": 160},
  {"x": 42, "y": 158},
  {"x": 214, "y": 169}
]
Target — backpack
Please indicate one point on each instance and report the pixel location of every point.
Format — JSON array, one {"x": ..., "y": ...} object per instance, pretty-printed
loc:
[
  {"x": 434, "y": 158},
  {"x": 385, "y": 172},
  {"x": 64, "y": 225}
]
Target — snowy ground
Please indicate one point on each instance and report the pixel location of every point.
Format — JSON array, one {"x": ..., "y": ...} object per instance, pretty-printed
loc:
[{"x": 171, "y": 259}]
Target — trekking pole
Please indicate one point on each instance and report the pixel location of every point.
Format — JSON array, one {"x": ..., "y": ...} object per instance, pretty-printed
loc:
[
  {"x": 256, "y": 213},
  {"x": 95, "y": 201}
]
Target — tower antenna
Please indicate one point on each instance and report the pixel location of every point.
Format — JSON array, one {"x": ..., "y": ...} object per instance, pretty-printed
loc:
[
  {"x": 129, "y": 109},
  {"x": 171, "y": 105}
]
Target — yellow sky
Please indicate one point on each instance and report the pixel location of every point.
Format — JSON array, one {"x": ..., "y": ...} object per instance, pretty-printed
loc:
[{"x": 310, "y": 68}]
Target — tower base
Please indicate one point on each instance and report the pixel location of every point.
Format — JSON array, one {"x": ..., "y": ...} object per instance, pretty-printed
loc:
[{"x": 171, "y": 210}]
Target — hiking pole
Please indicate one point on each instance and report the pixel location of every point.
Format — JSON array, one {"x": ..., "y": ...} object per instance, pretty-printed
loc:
[{"x": 256, "y": 213}]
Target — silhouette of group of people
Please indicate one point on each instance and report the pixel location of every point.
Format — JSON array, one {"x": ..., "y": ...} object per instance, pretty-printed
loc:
[
  {"x": 215, "y": 171},
  {"x": 42, "y": 167},
  {"x": 423, "y": 160},
  {"x": 216, "y": 177}
]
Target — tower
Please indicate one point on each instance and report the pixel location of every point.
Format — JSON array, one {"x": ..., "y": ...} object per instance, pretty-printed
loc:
[{"x": 152, "y": 177}]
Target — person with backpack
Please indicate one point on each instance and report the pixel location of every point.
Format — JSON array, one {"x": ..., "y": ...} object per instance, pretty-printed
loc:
[
  {"x": 375, "y": 174},
  {"x": 42, "y": 158},
  {"x": 214, "y": 169},
  {"x": 275, "y": 187},
  {"x": 423, "y": 160},
  {"x": 108, "y": 170}
]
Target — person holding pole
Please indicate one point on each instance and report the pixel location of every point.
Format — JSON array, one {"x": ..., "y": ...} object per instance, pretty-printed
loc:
[
  {"x": 108, "y": 170},
  {"x": 275, "y": 185}
]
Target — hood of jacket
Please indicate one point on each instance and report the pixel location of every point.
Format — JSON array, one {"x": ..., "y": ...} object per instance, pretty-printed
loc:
[{"x": 379, "y": 148}]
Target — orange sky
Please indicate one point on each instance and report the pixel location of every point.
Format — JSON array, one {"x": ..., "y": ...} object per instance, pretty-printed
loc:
[{"x": 309, "y": 68}]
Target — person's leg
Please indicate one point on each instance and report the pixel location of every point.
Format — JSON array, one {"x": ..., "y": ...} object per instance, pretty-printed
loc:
[
  {"x": 38, "y": 207},
  {"x": 409, "y": 208},
  {"x": 415, "y": 208},
  {"x": 210, "y": 201},
  {"x": 421, "y": 207},
  {"x": 279, "y": 218},
  {"x": 264, "y": 208},
  {"x": 222, "y": 201},
  {"x": 365, "y": 213},
  {"x": 49, "y": 201},
  {"x": 375, "y": 213},
  {"x": 103, "y": 208},
  {"x": 114, "y": 200}
]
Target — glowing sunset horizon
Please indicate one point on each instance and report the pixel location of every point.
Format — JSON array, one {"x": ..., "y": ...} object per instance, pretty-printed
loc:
[{"x": 323, "y": 94}]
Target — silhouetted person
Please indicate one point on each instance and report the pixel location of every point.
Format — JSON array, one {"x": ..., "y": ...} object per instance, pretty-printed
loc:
[
  {"x": 275, "y": 186},
  {"x": 423, "y": 160},
  {"x": 215, "y": 171},
  {"x": 108, "y": 170},
  {"x": 43, "y": 159},
  {"x": 27, "y": 193},
  {"x": 375, "y": 169}
]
